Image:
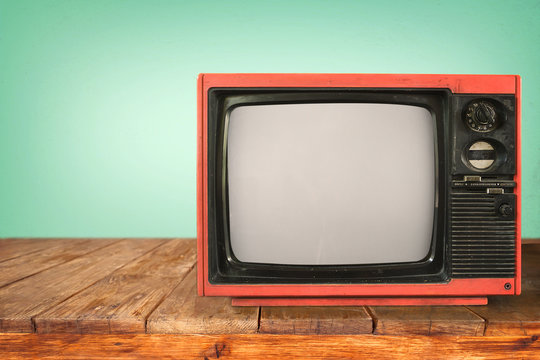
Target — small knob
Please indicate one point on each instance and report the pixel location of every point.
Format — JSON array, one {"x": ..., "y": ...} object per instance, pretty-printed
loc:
[
  {"x": 481, "y": 116},
  {"x": 505, "y": 210}
]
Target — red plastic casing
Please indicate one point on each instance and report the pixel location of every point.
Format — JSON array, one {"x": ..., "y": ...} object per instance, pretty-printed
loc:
[{"x": 458, "y": 84}]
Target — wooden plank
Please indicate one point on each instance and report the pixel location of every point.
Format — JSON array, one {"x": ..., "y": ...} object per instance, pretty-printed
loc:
[
  {"x": 426, "y": 320},
  {"x": 121, "y": 302},
  {"x": 13, "y": 248},
  {"x": 530, "y": 269},
  {"x": 22, "y": 300},
  {"x": 25, "y": 265},
  {"x": 315, "y": 320},
  {"x": 265, "y": 346},
  {"x": 511, "y": 315},
  {"x": 183, "y": 312}
]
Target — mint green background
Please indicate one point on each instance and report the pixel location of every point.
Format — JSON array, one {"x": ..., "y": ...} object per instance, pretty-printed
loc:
[{"x": 97, "y": 98}]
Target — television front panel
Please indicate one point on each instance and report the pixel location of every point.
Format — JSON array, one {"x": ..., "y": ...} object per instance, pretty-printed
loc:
[{"x": 352, "y": 186}]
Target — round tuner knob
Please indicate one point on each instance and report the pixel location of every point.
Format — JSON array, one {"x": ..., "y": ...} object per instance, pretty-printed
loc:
[
  {"x": 481, "y": 116},
  {"x": 505, "y": 210}
]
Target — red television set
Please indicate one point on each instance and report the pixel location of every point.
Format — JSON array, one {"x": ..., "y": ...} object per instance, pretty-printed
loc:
[{"x": 358, "y": 189}]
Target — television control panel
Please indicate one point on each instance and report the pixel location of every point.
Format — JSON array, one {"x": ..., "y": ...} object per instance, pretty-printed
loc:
[{"x": 482, "y": 199}]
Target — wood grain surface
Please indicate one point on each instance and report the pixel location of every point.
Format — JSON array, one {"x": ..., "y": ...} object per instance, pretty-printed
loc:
[
  {"x": 516, "y": 315},
  {"x": 530, "y": 269},
  {"x": 22, "y": 300},
  {"x": 63, "y": 251},
  {"x": 136, "y": 285},
  {"x": 121, "y": 302},
  {"x": 183, "y": 312},
  {"x": 426, "y": 320},
  {"x": 315, "y": 320},
  {"x": 12, "y": 248},
  {"x": 266, "y": 346}
]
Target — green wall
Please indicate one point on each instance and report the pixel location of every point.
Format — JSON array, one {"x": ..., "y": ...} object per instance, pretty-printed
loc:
[{"x": 97, "y": 98}]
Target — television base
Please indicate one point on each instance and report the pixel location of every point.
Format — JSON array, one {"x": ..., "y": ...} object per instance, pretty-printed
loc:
[{"x": 393, "y": 301}]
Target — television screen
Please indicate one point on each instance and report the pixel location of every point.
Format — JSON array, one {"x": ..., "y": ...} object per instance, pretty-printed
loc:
[{"x": 357, "y": 187}]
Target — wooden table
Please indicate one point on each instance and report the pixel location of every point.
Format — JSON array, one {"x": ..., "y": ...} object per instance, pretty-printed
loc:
[{"x": 129, "y": 298}]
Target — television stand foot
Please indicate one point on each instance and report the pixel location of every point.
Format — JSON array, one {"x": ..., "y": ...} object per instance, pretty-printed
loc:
[{"x": 350, "y": 301}]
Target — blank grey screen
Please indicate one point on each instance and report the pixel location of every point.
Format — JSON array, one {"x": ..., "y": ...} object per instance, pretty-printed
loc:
[{"x": 333, "y": 183}]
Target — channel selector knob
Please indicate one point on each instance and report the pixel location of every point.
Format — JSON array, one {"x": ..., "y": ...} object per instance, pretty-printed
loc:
[
  {"x": 481, "y": 116},
  {"x": 506, "y": 210}
]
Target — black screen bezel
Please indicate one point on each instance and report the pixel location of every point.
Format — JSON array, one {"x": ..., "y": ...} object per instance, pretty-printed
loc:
[{"x": 225, "y": 268}]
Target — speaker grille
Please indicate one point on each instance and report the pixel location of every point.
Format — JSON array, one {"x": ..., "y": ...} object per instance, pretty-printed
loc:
[{"x": 483, "y": 242}]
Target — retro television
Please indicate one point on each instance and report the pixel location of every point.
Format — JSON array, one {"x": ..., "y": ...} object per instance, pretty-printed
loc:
[{"x": 358, "y": 189}]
